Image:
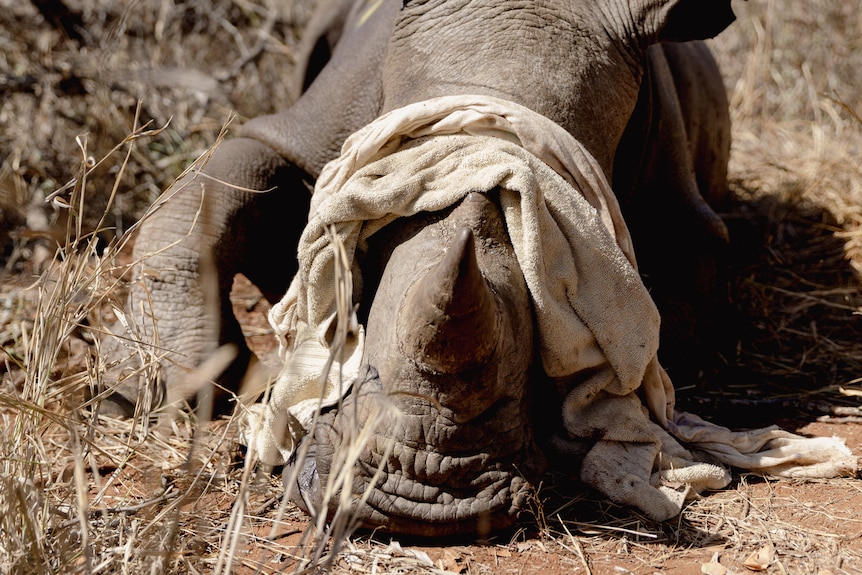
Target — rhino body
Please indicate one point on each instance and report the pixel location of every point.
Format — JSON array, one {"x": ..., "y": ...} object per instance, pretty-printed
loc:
[{"x": 450, "y": 327}]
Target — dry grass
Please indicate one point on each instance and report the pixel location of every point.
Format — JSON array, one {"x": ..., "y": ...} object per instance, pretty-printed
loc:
[
  {"x": 792, "y": 75},
  {"x": 80, "y": 493},
  {"x": 161, "y": 54}
]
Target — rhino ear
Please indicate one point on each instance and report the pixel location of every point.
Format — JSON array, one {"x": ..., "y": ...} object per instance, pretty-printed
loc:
[{"x": 686, "y": 20}]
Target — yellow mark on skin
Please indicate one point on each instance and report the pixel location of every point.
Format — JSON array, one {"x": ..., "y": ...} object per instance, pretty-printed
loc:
[{"x": 369, "y": 12}]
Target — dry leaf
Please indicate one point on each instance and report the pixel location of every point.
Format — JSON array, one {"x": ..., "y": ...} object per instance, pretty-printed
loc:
[
  {"x": 451, "y": 561},
  {"x": 760, "y": 560},
  {"x": 713, "y": 567}
]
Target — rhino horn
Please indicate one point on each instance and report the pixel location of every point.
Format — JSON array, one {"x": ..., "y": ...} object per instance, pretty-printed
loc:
[{"x": 449, "y": 321}]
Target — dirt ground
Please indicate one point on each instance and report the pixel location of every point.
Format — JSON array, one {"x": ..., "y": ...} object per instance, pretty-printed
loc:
[
  {"x": 99, "y": 495},
  {"x": 756, "y": 524}
]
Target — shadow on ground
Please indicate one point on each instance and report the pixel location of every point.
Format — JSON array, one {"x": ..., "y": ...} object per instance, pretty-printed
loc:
[{"x": 794, "y": 311}]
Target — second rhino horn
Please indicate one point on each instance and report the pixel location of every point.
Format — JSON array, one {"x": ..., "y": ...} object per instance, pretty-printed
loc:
[{"x": 449, "y": 321}]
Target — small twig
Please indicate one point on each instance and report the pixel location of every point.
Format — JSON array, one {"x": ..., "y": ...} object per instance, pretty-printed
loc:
[
  {"x": 833, "y": 419},
  {"x": 579, "y": 549},
  {"x": 166, "y": 494},
  {"x": 248, "y": 55},
  {"x": 621, "y": 529}
]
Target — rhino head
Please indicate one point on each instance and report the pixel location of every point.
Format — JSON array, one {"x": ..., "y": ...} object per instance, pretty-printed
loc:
[{"x": 450, "y": 342}]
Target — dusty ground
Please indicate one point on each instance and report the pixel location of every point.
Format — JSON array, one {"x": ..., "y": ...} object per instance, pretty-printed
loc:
[{"x": 84, "y": 495}]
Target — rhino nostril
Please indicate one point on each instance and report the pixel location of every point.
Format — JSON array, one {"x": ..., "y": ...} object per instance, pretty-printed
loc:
[{"x": 302, "y": 480}]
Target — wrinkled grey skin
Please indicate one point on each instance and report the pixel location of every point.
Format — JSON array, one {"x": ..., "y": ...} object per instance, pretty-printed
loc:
[{"x": 468, "y": 452}]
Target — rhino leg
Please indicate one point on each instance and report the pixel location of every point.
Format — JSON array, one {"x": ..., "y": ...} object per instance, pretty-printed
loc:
[
  {"x": 211, "y": 227},
  {"x": 319, "y": 39},
  {"x": 670, "y": 174},
  {"x": 342, "y": 93},
  {"x": 449, "y": 343}
]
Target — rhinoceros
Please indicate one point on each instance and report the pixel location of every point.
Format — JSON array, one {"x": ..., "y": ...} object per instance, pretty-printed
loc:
[
  {"x": 462, "y": 152},
  {"x": 339, "y": 80}
]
